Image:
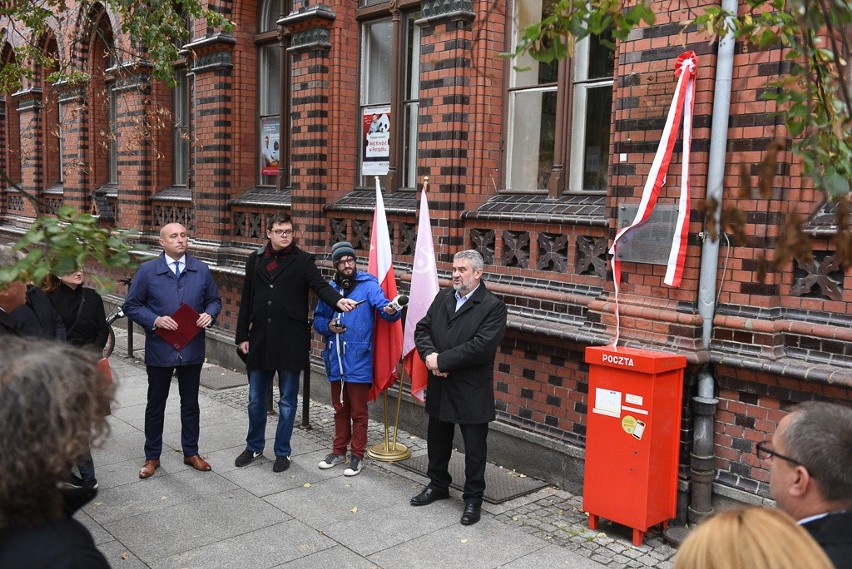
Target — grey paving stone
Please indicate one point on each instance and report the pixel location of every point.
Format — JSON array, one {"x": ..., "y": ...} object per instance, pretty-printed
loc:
[
  {"x": 480, "y": 546},
  {"x": 337, "y": 556},
  {"x": 165, "y": 532},
  {"x": 266, "y": 547},
  {"x": 155, "y": 493},
  {"x": 552, "y": 556},
  {"x": 119, "y": 556}
]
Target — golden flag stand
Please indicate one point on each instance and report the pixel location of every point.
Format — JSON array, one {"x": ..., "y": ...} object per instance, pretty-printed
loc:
[{"x": 389, "y": 450}]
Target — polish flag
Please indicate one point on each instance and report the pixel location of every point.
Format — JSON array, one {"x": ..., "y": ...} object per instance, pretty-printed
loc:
[
  {"x": 424, "y": 288},
  {"x": 387, "y": 336}
]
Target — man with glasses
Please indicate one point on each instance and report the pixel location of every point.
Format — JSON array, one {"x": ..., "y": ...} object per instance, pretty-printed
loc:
[
  {"x": 810, "y": 473},
  {"x": 348, "y": 354},
  {"x": 274, "y": 335}
]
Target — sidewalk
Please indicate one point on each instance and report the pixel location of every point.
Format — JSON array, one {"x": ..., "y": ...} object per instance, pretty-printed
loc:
[{"x": 306, "y": 517}]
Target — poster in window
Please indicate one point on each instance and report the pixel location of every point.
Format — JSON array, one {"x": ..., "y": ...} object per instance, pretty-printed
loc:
[
  {"x": 270, "y": 145},
  {"x": 375, "y": 157}
]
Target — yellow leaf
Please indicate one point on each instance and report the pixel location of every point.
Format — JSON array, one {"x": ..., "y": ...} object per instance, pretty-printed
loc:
[
  {"x": 307, "y": 485},
  {"x": 125, "y": 555},
  {"x": 464, "y": 541},
  {"x": 354, "y": 510}
]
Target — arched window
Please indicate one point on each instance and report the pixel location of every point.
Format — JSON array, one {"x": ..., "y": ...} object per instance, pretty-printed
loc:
[
  {"x": 10, "y": 130},
  {"x": 51, "y": 121},
  {"x": 103, "y": 145},
  {"x": 269, "y": 92}
]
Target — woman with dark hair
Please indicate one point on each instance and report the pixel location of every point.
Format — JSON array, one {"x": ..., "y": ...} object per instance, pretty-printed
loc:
[
  {"x": 82, "y": 312},
  {"x": 53, "y": 403},
  {"x": 81, "y": 309}
]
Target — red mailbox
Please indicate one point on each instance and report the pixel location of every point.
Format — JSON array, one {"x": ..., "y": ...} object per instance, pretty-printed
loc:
[{"x": 632, "y": 437}]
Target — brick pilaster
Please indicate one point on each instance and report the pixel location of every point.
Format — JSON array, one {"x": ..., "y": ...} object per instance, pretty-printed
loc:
[
  {"x": 212, "y": 111},
  {"x": 310, "y": 43},
  {"x": 29, "y": 108},
  {"x": 445, "y": 81}
]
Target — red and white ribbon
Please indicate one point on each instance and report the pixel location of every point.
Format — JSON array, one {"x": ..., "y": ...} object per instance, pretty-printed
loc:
[{"x": 686, "y": 68}]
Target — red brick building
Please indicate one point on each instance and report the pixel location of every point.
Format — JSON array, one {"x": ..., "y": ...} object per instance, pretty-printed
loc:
[{"x": 534, "y": 165}]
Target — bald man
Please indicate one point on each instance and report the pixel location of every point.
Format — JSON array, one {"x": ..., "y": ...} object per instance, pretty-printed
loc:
[{"x": 160, "y": 287}]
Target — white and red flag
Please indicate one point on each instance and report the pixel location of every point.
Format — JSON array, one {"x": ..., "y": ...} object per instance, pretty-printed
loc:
[
  {"x": 686, "y": 69},
  {"x": 424, "y": 288},
  {"x": 387, "y": 336}
]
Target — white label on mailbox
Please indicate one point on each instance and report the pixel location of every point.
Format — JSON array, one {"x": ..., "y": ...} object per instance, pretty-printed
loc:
[
  {"x": 633, "y": 399},
  {"x": 607, "y": 402}
]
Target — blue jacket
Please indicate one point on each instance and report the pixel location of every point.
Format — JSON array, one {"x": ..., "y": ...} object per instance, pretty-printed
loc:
[
  {"x": 156, "y": 291},
  {"x": 356, "y": 343}
]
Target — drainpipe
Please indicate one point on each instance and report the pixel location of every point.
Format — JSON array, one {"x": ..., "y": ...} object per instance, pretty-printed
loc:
[{"x": 702, "y": 469}]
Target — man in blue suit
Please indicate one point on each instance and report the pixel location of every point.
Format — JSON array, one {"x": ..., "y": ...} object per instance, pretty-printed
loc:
[{"x": 160, "y": 287}]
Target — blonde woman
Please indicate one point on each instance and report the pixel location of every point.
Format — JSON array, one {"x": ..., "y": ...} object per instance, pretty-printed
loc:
[{"x": 751, "y": 538}]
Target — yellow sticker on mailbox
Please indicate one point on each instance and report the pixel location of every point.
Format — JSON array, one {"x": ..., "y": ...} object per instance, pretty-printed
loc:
[{"x": 628, "y": 423}]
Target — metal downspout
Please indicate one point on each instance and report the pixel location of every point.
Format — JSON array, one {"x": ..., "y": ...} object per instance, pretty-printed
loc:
[{"x": 702, "y": 459}]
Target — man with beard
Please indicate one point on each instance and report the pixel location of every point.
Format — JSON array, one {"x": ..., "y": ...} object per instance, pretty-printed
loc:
[
  {"x": 458, "y": 340},
  {"x": 348, "y": 354}
]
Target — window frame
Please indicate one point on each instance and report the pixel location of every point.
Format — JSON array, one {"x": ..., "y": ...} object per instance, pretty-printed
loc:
[
  {"x": 570, "y": 119},
  {"x": 403, "y": 90},
  {"x": 266, "y": 40}
]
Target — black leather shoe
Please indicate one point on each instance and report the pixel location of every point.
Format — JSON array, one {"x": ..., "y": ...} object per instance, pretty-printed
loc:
[
  {"x": 471, "y": 514},
  {"x": 429, "y": 495}
]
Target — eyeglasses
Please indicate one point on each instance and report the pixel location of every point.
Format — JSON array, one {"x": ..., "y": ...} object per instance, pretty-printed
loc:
[
  {"x": 764, "y": 450},
  {"x": 281, "y": 232},
  {"x": 348, "y": 261}
]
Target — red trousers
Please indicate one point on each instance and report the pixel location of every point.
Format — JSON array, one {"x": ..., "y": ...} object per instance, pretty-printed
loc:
[{"x": 350, "y": 417}]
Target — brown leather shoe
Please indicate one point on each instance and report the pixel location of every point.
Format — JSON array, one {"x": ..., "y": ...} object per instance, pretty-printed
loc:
[
  {"x": 148, "y": 468},
  {"x": 196, "y": 462}
]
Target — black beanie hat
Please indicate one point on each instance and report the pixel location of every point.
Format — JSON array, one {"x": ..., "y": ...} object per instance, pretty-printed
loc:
[{"x": 341, "y": 249}]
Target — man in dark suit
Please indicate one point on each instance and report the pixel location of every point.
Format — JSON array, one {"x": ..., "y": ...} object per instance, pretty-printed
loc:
[
  {"x": 458, "y": 340},
  {"x": 273, "y": 333},
  {"x": 810, "y": 474},
  {"x": 161, "y": 286},
  {"x": 12, "y": 295}
]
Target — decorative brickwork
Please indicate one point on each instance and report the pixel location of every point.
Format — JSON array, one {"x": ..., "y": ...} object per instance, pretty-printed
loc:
[
  {"x": 591, "y": 255},
  {"x": 338, "y": 230},
  {"x": 821, "y": 277},
  {"x": 553, "y": 252},
  {"x": 516, "y": 249},
  {"x": 408, "y": 238},
  {"x": 483, "y": 240}
]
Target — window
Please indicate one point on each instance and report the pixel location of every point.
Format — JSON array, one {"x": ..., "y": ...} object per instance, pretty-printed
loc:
[
  {"x": 386, "y": 107},
  {"x": 51, "y": 160},
  {"x": 269, "y": 92},
  {"x": 583, "y": 86},
  {"x": 62, "y": 120},
  {"x": 591, "y": 115},
  {"x": 180, "y": 135},
  {"x": 103, "y": 101},
  {"x": 10, "y": 137},
  {"x": 411, "y": 101}
]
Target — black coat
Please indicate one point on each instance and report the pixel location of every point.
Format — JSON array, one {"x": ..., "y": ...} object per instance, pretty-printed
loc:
[
  {"x": 86, "y": 325},
  {"x": 38, "y": 318},
  {"x": 7, "y": 324},
  {"x": 274, "y": 310},
  {"x": 466, "y": 342},
  {"x": 834, "y": 534}
]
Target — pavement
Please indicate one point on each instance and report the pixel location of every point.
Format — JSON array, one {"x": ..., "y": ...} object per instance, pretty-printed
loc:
[{"x": 306, "y": 517}]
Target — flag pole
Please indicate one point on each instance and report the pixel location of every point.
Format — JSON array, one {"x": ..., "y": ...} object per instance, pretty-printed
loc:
[{"x": 385, "y": 451}]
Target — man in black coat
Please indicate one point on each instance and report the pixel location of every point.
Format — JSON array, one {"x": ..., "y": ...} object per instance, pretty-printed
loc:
[
  {"x": 274, "y": 335},
  {"x": 12, "y": 295},
  {"x": 810, "y": 474},
  {"x": 458, "y": 340}
]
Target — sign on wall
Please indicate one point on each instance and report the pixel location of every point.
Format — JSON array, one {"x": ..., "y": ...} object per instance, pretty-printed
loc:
[
  {"x": 270, "y": 145},
  {"x": 375, "y": 156}
]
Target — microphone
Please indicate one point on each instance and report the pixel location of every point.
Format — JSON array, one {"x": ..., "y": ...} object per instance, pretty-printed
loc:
[{"x": 399, "y": 302}]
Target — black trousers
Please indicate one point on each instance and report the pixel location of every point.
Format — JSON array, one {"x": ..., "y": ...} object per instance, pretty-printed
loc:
[
  {"x": 159, "y": 381},
  {"x": 440, "y": 446}
]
